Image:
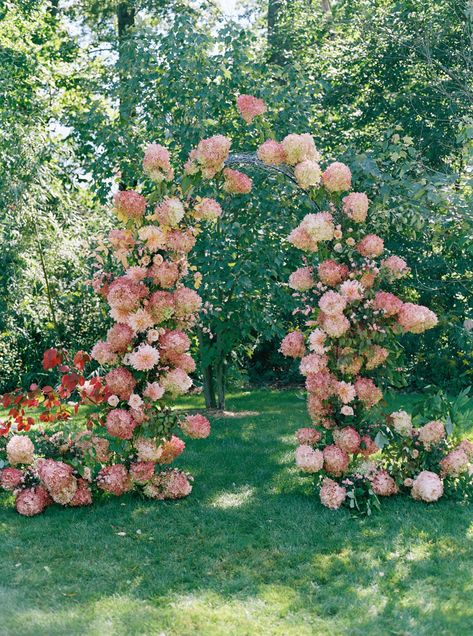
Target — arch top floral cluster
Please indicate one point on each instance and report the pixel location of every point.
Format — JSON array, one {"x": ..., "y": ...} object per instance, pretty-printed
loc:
[{"x": 144, "y": 361}]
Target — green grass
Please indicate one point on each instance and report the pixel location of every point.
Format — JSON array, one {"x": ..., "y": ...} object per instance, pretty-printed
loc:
[{"x": 250, "y": 552}]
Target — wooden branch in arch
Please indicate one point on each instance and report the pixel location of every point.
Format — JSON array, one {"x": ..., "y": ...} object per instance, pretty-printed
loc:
[{"x": 250, "y": 158}]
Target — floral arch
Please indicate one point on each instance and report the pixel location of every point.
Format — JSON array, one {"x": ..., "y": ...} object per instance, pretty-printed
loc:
[{"x": 346, "y": 346}]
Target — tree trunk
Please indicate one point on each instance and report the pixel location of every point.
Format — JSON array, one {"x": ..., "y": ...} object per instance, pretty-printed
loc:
[
  {"x": 125, "y": 21},
  {"x": 275, "y": 8},
  {"x": 208, "y": 376},
  {"x": 221, "y": 372}
]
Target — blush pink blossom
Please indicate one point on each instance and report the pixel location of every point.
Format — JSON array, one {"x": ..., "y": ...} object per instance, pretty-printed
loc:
[
  {"x": 337, "y": 177},
  {"x": 20, "y": 450},
  {"x": 147, "y": 449},
  {"x": 57, "y": 478},
  {"x": 119, "y": 337},
  {"x": 313, "y": 363},
  {"x": 332, "y": 303},
  {"x": 298, "y": 148},
  {"x": 154, "y": 391},
  {"x": 207, "y": 210},
  {"x": 302, "y": 279},
  {"x": 308, "y": 435},
  {"x": 141, "y": 472},
  {"x": 383, "y": 484},
  {"x": 271, "y": 153},
  {"x": 332, "y": 495},
  {"x": 165, "y": 274},
  {"x": 321, "y": 383},
  {"x": 307, "y": 174},
  {"x": 370, "y": 246},
  {"x": 416, "y": 318},
  {"x": 129, "y": 204},
  {"x": 308, "y": 459},
  {"x": 180, "y": 241},
  {"x": 368, "y": 392},
  {"x": 175, "y": 340},
  {"x": 367, "y": 446},
  {"x": 144, "y": 358},
  {"x": 346, "y": 392},
  {"x": 427, "y": 487},
  {"x": 209, "y": 156},
  {"x": 375, "y": 356},
  {"x": 161, "y": 306},
  {"x": 348, "y": 439},
  {"x": 82, "y": 495},
  {"x": 140, "y": 320},
  {"x": 352, "y": 290},
  {"x": 114, "y": 479},
  {"x": 334, "y": 326},
  {"x": 126, "y": 294},
  {"x": 396, "y": 266},
  {"x": 355, "y": 206},
  {"x": 153, "y": 237},
  {"x": 316, "y": 408},
  {"x": 171, "y": 449},
  {"x": 236, "y": 182},
  {"x": 176, "y": 382},
  {"x": 317, "y": 340},
  {"x": 103, "y": 353},
  {"x": 182, "y": 361},
  {"x": 120, "y": 382},
  {"x": 332, "y": 273},
  {"x": 157, "y": 164},
  {"x": 11, "y": 478},
  {"x": 293, "y": 345},
  {"x": 402, "y": 423},
  {"x": 119, "y": 423},
  {"x": 431, "y": 433},
  {"x": 196, "y": 426},
  {"x": 388, "y": 303},
  {"x": 250, "y": 107},
  {"x": 187, "y": 302},
  {"x": 313, "y": 229},
  {"x": 32, "y": 501},
  {"x": 169, "y": 212},
  {"x": 336, "y": 460},
  {"x": 455, "y": 463},
  {"x": 347, "y": 410}
]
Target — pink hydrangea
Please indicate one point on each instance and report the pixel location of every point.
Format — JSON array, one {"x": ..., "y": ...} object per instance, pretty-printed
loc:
[
  {"x": 321, "y": 383},
  {"x": 236, "y": 182},
  {"x": 271, "y": 153},
  {"x": 154, "y": 237},
  {"x": 114, "y": 479},
  {"x": 334, "y": 326},
  {"x": 348, "y": 439},
  {"x": 337, "y": 177},
  {"x": 126, "y": 294},
  {"x": 375, "y": 356},
  {"x": 11, "y": 478},
  {"x": 119, "y": 337},
  {"x": 455, "y": 463},
  {"x": 140, "y": 320},
  {"x": 129, "y": 204},
  {"x": 307, "y": 174},
  {"x": 32, "y": 501},
  {"x": 207, "y": 210},
  {"x": 103, "y": 353},
  {"x": 209, "y": 156},
  {"x": 396, "y": 266},
  {"x": 316, "y": 408},
  {"x": 368, "y": 279},
  {"x": 172, "y": 484},
  {"x": 467, "y": 446},
  {"x": 332, "y": 303},
  {"x": 302, "y": 279},
  {"x": 367, "y": 446},
  {"x": 313, "y": 363},
  {"x": 308, "y": 435},
  {"x": 144, "y": 358},
  {"x": 332, "y": 273},
  {"x": 161, "y": 306},
  {"x": 348, "y": 363},
  {"x": 141, "y": 472},
  {"x": 187, "y": 302},
  {"x": 332, "y": 495},
  {"x": 157, "y": 164},
  {"x": 58, "y": 479},
  {"x": 120, "y": 382},
  {"x": 154, "y": 391},
  {"x": 182, "y": 361},
  {"x": 370, "y": 246},
  {"x": 368, "y": 392},
  {"x": 431, "y": 433},
  {"x": 20, "y": 450},
  {"x": 82, "y": 495},
  {"x": 169, "y": 212},
  {"x": 402, "y": 423},
  {"x": 176, "y": 382},
  {"x": 250, "y": 107},
  {"x": 383, "y": 484},
  {"x": 120, "y": 423},
  {"x": 352, "y": 290},
  {"x": 346, "y": 392},
  {"x": 427, "y": 487},
  {"x": 416, "y": 318},
  {"x": 147, "y": 450},
  {"x": 298, "y": 148},
  {"x": 317, "y": 340},
  {"x": 196, "y": 426},
  {"x": 313, "y": 229},
  {"x": 308, "y": 459},
  {"x": 180, "y": 241},
  {"x": 355, "y": 206},
  {"x": 293, "y": 345},
  {"x": 336, "y": 460},
  {"x": 171, "y": 449},
  {"x": 175, "y": 340},
  {"x": 166, "y": 274},
  {"x": 388, "y": 303}
]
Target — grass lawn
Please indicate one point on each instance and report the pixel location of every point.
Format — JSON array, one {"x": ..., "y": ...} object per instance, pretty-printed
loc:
[{"x": 250, "y": 552}]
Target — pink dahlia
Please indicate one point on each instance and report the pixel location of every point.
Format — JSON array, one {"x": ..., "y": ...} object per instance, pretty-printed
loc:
[
  {"x": 157, "y": 164},
  {"x": 332, "y": 495},
  {"x": 154, "y": 237},
  {"x": 171, "y": 449},
  {"x": 141, "y": 472},
  {"x": 427, "y": 487},
  {"x": 207, "y": 210},
  {"x": 352, "y": 290},
  {"x": 336, "y": 460},
  {"x": 455, "y": 463},
  {"x": 308, "y": 435},
  {"x": 332, "y": 303},
  {"x": 346, "y": 392},
  {"x": 348, "y": 439},
  {"x": 292, "y": 345},
  {"x": 129, "y": 204},
  {"x": 144, "y": 358},
  {"x": 370, "y": 246},
  {"x": 120, "y": 423},
  {"x": 236, "y": 182},
  {"x": 431, "y": 433},
  {"x": 196, "y": 426},
  {"x": 176, "y": 382},
  {"x": 416, "y": 318},
  {"x": 114, "y": 479},
  {"x": 317, "y": 340},
  {"x": 388, "y": 303},
  {"x": 11, "y": 478},
  {"x": 355, "y": 206},
  {"x": 271, "y": 153},
  {"x": 308, "y": 459},
  {"x": 298, "y": 148},
  {"x": 169, "y": 212},
  {"x": 368, "y": 392},
  {"x": 187, "y": 302},
  {"x": 20, "y": 450},
  {"x": 307, "y": 174},
  {"x": 383, "y": 484},
  {"x": 337, "y": 177},
  {"x": 302, "y": 279},
  {"x": 250, "y": 107},
  {"x": 120, "y": 382},
  {"x": 32, "y": 501},
  {"x": 154, "y": 391},
  {"x": 332, "y": 273},
  {"x": 140, "y": 321}
]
